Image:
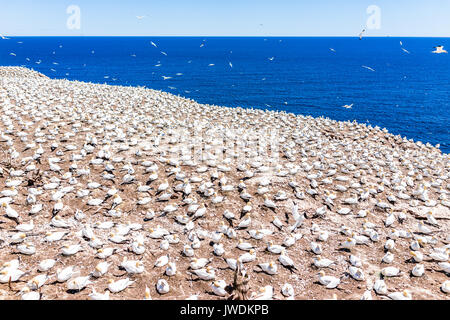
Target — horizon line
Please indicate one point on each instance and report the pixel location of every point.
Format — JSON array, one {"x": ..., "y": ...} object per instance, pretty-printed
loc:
[{"x": 217, "y": 36}]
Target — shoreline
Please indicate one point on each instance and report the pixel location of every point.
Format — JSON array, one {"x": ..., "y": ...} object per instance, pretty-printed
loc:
[{"x": 428, "y": 145}]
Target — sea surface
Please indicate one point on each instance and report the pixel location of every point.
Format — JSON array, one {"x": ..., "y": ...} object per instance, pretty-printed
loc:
[{"x": 407, "y": 93}]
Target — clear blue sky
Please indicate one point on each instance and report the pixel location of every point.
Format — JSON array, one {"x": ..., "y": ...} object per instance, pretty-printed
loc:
[{"x": 227, "y": 17}]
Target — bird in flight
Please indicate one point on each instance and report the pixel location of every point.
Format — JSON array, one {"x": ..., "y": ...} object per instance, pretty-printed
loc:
[
  {"x": 3, "y": 37},
  {"x": 348, "y": 106},
  {"x": 331, "y": 49},
  {"x": 361, "y": 34},
  {"x": 166, "y": 78},
  {"x": 368, "y": 68},
  {"x": 231, "y": 65},
  {"x": 271, "y": 59},
  {"x": 401, "y": 44},
  {"x": 153, "y": 44},
  {"x": 440, "y": 49},
  {"x": 164, "y": 53},
  {"x": 202, "y": 45}
]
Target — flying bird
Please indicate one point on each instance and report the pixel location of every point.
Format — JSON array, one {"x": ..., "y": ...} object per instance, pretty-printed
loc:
[
  {"x": 348, "y": 106},
  {"x": 271, "y": 59},
  {"x": 405, "y": 50},
  {"x": 331, "y": 49},
  {"x": 231, "y": 65},
  {"x": 3, "y": 37},
  {"x": 153, "y": 44},
  {"x": 361, "y": 34},
  {"x": 164, "y": 53},
  {"x": 166, "y": 78},
  {"x": 368, "y": 68},
  {"x": 440, "y": 49}
]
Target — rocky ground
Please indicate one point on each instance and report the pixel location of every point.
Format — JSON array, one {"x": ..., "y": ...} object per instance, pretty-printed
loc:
[{"x": 349, "y": 181}]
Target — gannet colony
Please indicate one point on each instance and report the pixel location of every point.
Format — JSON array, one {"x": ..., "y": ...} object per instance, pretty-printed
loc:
[{"x": 111, "y": 192}]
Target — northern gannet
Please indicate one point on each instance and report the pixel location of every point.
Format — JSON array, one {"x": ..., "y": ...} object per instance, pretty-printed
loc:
[
  {"x": 404, "y": 295},
  {"x": 119, "y": 285},
  {"x": 268, "y": 267},
  {"x": 218, "y": 287},
  {"x": 329, "y": 282},
  {"x": 439, "y": 49},
  {"x": 78, "y": 283}
]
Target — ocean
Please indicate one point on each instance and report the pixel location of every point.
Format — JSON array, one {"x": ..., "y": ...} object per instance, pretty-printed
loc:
[{"x": 408, "y": 93}]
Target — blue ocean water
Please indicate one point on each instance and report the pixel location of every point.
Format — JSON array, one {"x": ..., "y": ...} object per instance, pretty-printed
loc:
[{"x": 407, "y": 93}]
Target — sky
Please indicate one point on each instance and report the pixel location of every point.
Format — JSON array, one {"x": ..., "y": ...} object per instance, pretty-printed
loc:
[{"x": 405, "y": 18}]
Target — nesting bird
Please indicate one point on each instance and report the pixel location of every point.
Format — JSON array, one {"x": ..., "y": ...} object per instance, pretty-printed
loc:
[{"x": 110, "y": 164}]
